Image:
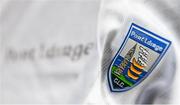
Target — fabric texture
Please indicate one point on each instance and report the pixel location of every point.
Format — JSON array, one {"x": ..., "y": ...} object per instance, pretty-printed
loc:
[
  {"x": 47, "y": 48},
  {"x": 114, "y": 21},
  {"x": 51, "y": 51}
]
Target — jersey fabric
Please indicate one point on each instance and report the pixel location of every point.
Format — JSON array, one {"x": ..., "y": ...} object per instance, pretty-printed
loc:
[
  {"x": 47, "y": 49},
  {"x": 60, "y": 51},
  {"x": 159, "y": 16}
]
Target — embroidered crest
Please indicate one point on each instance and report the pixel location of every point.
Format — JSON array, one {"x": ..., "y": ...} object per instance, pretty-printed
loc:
[{"x": 136, "y": 58}]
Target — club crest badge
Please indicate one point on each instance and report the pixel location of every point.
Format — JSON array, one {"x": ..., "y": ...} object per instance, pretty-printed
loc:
[{"x": 136, "y": 58}]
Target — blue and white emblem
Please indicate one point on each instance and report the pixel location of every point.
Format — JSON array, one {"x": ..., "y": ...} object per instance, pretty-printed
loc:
[{"x": 136, "y": 58}]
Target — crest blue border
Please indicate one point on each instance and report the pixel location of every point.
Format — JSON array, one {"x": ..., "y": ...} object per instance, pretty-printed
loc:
[{"x": 120, "y": 49}]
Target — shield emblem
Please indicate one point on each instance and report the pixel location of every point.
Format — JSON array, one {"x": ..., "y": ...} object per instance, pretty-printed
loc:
[{"x": 136, "y": 58}]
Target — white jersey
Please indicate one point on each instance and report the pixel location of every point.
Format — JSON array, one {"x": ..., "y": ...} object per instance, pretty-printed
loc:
[
  {"x": 78, "y": 51},
  {"x": 48, "y": 50},
  {"x": 129, "y": 19}
]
